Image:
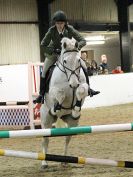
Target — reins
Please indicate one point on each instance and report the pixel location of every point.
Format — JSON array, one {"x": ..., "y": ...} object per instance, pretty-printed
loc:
[{"x": 64, "y": 70}]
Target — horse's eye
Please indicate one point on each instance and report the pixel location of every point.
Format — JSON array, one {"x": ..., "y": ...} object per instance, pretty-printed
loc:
[
  {"x": 65, "y": 61},
  {"x": 79, "y": 60}
]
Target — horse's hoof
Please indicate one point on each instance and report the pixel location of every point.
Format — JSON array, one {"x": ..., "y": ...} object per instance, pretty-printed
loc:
[
  {"x": 43, "y": 167},
  {"x": 53, "y": 125}
]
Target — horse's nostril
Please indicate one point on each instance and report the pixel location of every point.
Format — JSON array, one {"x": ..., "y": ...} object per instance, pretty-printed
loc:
[
  {"x": 74, "y": 86},
  {"x": 70, "y": 85}
]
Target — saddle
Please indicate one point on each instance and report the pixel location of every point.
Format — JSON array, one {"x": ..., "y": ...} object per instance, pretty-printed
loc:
[{"x": 48, "y": 76}]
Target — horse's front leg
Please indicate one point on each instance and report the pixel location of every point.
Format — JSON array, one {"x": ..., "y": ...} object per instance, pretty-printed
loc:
[
  {"x": 59, "y": 96},
  {"x": 81, "y": 93}
]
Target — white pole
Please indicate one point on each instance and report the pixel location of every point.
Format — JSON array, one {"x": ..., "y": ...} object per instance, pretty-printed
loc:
[{"x": 30, "y": 89}]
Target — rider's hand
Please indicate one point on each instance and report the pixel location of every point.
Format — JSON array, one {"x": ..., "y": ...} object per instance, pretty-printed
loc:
[
  {"x": 57, "y": 51},
  {"x": 77, "y": 45}
]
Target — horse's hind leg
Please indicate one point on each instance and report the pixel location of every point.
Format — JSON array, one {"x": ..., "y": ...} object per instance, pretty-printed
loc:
[
  {"x": 44, "y": 150},
  {"x": 67, "y": 141},
  {"x": 71, "y": 123},
  {"x": 47, "y": 121}
]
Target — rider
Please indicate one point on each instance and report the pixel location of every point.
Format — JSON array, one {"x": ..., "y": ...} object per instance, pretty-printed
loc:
[{"x": 51, "y": 46}]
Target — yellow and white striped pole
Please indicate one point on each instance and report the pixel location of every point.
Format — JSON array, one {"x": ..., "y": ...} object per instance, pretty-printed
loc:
[{"x": 68, "y": 159}]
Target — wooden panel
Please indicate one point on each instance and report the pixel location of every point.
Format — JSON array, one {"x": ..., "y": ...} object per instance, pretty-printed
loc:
[
  {"x": 88, "y": 10},
  {"x": 19, "y": 43},
  {"x": 18, "y": 10}
]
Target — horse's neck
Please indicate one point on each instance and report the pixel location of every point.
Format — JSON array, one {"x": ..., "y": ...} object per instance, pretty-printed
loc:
[
  {"x": 58, "y": 75},
  {"x": 60, "y": 62}
]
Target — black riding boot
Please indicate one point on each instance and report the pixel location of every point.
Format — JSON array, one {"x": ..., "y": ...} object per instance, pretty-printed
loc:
[
  {"x": 40, "y": 98},
  {"x": 90, "y": 91}
]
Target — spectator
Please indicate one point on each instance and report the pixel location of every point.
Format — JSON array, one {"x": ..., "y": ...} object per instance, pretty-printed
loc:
[
  {"x": 94, "y": 67},
  {"x": 91, "y": 66},
  {"x": 117, "y": 70},
  {"x": 103, "y": 67},
  {"x": 84, "y": 57}
]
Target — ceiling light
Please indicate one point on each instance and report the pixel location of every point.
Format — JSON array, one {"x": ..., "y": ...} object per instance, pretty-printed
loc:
[
  {"x": 95, "y": 38},
  {"x": 95, "y": 42}
]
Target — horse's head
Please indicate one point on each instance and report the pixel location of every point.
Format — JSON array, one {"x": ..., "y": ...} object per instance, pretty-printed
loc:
[
  {"x": 69, "y": 44},
  {"x": 71, "y": 61}
]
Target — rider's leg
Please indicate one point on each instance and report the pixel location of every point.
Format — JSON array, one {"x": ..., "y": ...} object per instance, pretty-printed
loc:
[
  {"x": 49, "y": 61},
  {"x": 91, "y": 92}
]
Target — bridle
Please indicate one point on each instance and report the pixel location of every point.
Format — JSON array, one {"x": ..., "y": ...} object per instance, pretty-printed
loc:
[{"x": 65, "y": 68}]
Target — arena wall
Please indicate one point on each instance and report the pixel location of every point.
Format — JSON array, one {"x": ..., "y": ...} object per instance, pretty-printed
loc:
[{"x": 115, "y": 89}]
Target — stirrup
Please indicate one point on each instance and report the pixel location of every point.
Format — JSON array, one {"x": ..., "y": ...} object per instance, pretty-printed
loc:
[
  {"x": 93, "y": 92},
  {"x": 39, "y": 99}
]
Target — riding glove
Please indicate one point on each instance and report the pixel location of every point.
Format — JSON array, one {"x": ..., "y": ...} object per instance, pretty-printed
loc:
[{"x": 57, "y": 51}]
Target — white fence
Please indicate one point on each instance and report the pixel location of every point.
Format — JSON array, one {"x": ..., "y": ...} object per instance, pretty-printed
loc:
[
  {"x": 20, "y": 83},
  {"x": 115, "y": 89}
]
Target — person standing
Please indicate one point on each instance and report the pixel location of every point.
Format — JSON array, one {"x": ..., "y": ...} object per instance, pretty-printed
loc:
[{"x": 103, "y": 67}]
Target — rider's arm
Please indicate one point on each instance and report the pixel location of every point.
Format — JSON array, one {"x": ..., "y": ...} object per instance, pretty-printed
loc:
[
  {"x": 45, "y": 47},
  {"x": 76, "y": 35}
]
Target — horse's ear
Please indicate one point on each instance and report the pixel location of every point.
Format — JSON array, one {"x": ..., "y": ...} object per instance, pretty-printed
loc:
[
  {"x": 64, "y": 45},
  {"x": 76, "y": 44}
]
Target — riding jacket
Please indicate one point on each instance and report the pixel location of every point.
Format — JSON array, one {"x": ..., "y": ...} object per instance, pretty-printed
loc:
[{"x": 52, "y": 39}]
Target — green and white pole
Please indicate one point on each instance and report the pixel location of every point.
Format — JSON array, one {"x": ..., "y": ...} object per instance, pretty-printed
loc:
[
  {"x": 68, "y": 159},
  {"x": 67, "y": 131}
]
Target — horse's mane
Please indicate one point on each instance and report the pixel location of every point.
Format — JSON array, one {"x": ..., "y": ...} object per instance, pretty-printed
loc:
[{"x": 68, "y": 44}]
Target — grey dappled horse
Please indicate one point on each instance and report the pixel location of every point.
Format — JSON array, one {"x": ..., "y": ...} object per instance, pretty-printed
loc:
[{"x": 67, "y": 91}]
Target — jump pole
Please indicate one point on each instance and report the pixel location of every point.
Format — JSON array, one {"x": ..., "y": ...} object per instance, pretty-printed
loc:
[
  {"x": 68, "y": 159},
  {"x": 12, "y": 103},
  {"x": 67, "y": 131}
]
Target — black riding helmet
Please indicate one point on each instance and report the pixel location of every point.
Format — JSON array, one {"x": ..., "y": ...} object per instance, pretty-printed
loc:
[{"x": 59, "y": 16}]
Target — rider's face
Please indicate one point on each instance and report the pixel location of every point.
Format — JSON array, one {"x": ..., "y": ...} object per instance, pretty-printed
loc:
[{"x": 60, "y": 26}]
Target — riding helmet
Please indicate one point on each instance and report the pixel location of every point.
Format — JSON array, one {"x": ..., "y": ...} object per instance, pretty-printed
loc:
[{"x": 59, "y": 16}]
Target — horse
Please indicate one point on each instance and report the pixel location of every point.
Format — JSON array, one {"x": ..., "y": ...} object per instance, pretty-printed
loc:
[{"x": 67, "y": 91}]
